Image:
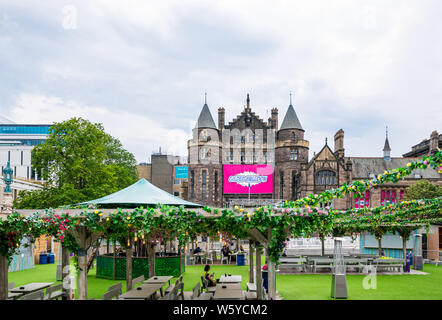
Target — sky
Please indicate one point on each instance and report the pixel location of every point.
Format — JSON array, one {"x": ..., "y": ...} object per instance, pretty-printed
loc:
[{"x": 141, "y": 68}]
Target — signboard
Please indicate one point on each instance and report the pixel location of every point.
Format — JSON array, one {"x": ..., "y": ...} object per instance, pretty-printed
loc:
[
  {"x": 248, "y": 178},
  {"x": 181, "y": 172}
]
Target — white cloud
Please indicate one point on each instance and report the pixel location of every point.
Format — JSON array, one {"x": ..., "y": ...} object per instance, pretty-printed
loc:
[
  {"x": 139, "y": 134},
  {"x": 356, "y": 65}
]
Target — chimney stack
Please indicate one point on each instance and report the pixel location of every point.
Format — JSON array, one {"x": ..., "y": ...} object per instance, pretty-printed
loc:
[
  {"x": 339, "y": 143},
  {"x": 221, "y": 118},
  {"x": 275, "y": 118},
  {"x": 434, "y": 143}
]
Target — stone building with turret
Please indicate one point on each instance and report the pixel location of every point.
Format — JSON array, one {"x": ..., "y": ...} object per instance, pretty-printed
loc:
[{"x": 248, "y": 142}]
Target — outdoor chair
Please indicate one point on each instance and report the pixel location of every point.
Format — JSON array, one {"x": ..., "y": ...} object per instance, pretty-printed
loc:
[
  {"x": 138, "y": 280},
  {"x": 206, "y": 287},
  {"x": 172, "y": 286},
  {"x": 38, "y": 295},
  {"x": 172, "y": 295},
  {"x": 195, "y": 291},
  {"x": 208, "y": 258},
  {"x": 54, "y": 292},
  {"x": 181, "y": 290},
  {"x": 226, "y": 259}
]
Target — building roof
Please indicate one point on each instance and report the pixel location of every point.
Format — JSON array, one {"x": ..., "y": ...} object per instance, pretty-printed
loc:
[
  {"x": 205, "y": 119},
  {"x": 363, "y": 167},
  {"x": 141, "y": 193},
  {"x": 291, "y": 120}
]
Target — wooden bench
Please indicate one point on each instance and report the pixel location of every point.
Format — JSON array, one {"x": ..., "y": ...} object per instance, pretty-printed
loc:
[{"x": 293, "y": 263}]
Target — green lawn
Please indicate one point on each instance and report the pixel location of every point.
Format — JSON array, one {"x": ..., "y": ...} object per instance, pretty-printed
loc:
[{"x": 292, "y": 287}]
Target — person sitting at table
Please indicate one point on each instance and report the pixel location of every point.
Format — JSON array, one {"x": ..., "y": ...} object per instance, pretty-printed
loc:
[
  {"x": 209, "y": 277},
  {"x": 225, "y": 250},
  {"x": 197, "y": 250}
]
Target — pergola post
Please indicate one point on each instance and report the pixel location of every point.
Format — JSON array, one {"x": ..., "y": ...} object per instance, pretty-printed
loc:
[
  {"x": 129, "y": 267},
  {"x": 271, "y": 277},
  {"x": 258, "y": 273},
  {"x": 3, "y": 277},
  {"x": 251, "y": 277},
  {"x": 114, "y": 259},
  {"x": 151, "y": 257},
  {"x": 65, "y": 272},
  {"x": 82, "y": 274}
]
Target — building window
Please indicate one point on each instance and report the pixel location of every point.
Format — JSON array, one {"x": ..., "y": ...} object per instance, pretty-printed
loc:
[
  {"x": 176, "y": 181},
  {"x": 364, "y": 201},
  {"x": 204, "y": 185},
  {"x": 192, "y": 183},
  {"x": 293, "y": 185},
  {"x": 231, "y": 155},
  {"x": 388, "y": 197},
  {"x": 243, "y": 156},
  {"x": 215, "y": 183},
  {"x": 401, "y": 195},
  {"x": 325, "y": 177},
  {"x": 293, "y": 154},
  {"x": 281, "y": 185}
]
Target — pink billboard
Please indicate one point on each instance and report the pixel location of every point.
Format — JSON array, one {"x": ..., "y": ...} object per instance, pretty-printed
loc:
[{"x": 248, "y": 178}]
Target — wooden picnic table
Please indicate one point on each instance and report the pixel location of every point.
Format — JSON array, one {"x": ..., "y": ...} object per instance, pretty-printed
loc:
[
  {"x": 231, "y": 291},
  {"x": 31, "y": 287},
  {"x": 230, "y": 279},
  {"x": 158, "y": 280},
  {"x": 142, "y": 292},
  {"x": 14, "y": 295}
]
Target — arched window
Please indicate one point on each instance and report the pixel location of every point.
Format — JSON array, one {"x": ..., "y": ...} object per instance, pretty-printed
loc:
[{"x": 325, "y": 177}]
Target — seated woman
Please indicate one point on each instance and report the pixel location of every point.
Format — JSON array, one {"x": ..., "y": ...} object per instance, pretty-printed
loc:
[{"x": 209, "y": 277}]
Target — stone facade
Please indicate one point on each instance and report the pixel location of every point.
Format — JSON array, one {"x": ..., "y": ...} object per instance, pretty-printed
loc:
[{"x": 294, "y": 175}]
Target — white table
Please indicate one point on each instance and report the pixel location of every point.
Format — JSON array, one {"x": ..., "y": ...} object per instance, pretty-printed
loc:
[
  {"x": 230, "y": 279},
  {"x": 31, "y": 287},
  {"x": 232, "y": 291},
  {"x": 145, "y": 292}
]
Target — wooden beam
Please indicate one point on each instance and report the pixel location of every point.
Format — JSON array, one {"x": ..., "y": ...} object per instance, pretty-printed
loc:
[
  {"x": 3, "y": 277},
  {"x": 259, "y": 237}
]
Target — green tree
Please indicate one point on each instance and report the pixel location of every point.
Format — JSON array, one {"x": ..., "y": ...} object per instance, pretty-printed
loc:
[
  {"x": 422, "y": 189},
  {"x": 79, "y": 162}
]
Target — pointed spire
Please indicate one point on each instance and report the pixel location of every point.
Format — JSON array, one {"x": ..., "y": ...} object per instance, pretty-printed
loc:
[
  {"x": 387, "y": 144},
  {"x": 248, "y": 102},
  {"x": 291, "y": 120},
  {"x": 205, "y": 119},
  {"x": 387, "y": 148},
  {"x": 290, "y": 98}
]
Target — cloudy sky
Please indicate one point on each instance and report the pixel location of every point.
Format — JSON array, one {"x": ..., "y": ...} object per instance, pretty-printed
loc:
[{"x": 141, "y": 67}]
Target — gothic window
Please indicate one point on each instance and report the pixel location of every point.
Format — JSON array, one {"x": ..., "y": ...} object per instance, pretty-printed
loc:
[
  {"x": 293, "y": 136},
  {"x": 325, "y": 177}
]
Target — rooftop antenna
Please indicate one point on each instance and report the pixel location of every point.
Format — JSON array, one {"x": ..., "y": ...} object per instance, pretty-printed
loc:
[
  {"x": 290, "y": 98},
  {"x": 205, "y": 97}
]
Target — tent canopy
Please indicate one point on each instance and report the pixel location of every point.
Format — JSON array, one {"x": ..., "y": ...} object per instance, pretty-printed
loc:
[{"x": 141, "y": 193}]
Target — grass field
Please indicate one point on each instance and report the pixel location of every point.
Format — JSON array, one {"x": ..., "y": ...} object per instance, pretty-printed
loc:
[{"x": 290, "y": 287}]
